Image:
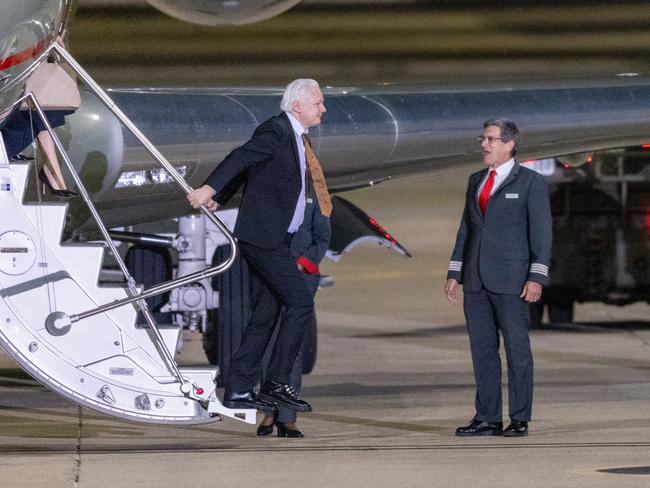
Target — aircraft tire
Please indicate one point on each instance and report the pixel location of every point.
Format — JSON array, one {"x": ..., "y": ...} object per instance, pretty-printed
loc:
[
  {"x": 211, "y": 338},
  {"x": 151, "y": 266},
  {"x": 227, "y": 326}
]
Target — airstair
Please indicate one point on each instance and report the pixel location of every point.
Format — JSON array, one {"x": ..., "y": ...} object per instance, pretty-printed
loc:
[{"x": 78, "y": 338}]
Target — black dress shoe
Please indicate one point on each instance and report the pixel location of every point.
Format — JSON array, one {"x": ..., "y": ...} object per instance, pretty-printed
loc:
[
  {"x": 247, "y": 400},
  {"x": 285, "y": 395},
  {"x": 21, "y": 157},
  {"x": 54, "y": 191},
  {"x": 516, "y": 429},
  {"x": 264, "y": 430},
  {"x": 480, "y": 427},
  {"x": 284, "y": 431}
]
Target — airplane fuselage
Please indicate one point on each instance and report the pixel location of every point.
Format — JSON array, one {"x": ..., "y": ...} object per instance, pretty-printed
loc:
[
  {"x": 27, "y": 28},
  {"x": 367, "y": 135}
]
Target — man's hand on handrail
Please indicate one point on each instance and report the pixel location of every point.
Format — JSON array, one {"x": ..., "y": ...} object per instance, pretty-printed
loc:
[{"x": 203, "y": 196}]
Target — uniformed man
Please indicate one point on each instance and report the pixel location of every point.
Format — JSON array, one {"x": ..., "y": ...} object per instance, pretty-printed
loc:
[{"x": 501, "y": 257}]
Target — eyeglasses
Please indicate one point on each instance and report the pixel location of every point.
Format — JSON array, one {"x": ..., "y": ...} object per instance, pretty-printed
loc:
[{"x": 489, "y": 139}]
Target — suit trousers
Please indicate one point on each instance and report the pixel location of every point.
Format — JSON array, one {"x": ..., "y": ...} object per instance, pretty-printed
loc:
[
  {"x": 275, "y": 282},
  {"x": 487, "y": 314},
  {"x": 284, "y": 414}
]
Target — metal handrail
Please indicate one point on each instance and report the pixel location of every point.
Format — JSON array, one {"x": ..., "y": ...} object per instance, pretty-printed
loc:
[
  {"x": 56, "y": 317},
  {"x": 108, "y": 102},
  {"x": 59, "y": 323}
]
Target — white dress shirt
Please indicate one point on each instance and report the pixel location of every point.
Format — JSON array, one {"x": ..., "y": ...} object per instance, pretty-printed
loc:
[
  {"x": 502, "y": 173},
  {"x": 299, "y": 214}
]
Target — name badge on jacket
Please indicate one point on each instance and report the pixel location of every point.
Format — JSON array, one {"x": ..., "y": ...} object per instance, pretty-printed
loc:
[
  {"x": 309, "y": 200},
  {"x": 512, "y": 195}
]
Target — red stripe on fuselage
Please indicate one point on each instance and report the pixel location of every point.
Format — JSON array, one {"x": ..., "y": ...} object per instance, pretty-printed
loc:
[{"x": 26, "y": 54}]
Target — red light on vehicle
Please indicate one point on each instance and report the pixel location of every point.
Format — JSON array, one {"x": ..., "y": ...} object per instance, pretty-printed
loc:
[
  {"x": 645, "y": 146},
  {"x": 589, "y": 159},
  {"x": 566, "y": 166},
  {"x": 647, "y": 222}
]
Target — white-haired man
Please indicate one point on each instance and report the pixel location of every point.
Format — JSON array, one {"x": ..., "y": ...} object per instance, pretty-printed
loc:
[{"x": 274, "y": 166}]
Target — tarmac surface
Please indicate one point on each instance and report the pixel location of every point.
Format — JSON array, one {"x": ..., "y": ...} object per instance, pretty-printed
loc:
[{"x": 392, "y": 381}]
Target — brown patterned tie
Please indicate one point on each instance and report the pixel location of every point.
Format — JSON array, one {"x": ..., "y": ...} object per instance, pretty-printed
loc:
[{"x": 317, "y": 176}]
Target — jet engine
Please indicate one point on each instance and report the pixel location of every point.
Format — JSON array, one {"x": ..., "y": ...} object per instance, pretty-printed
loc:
[{"x": 222, "y": 12}]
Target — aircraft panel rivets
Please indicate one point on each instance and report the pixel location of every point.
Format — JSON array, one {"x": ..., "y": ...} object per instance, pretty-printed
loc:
[
  {"x": 160, "y": 403},
  {"x": 33, "y": 346}
]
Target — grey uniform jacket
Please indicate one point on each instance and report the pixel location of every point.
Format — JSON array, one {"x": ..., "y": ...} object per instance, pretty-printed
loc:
[{"x": 512, "y": 243}]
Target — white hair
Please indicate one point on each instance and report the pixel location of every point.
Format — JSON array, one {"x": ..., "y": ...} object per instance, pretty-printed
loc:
[{"x": 297, "y": 90}]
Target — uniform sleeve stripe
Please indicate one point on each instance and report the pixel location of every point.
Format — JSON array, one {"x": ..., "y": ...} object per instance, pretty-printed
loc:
[
  {"x": 455, "y": 265},
  {"x": 539, "y": 269}
]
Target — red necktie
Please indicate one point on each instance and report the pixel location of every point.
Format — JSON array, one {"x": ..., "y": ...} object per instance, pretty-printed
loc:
[{"x": 485, "y": 192}]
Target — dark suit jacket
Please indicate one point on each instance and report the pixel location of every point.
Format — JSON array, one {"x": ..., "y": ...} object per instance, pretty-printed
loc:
[
  {"x": 512, "y": 243},
  {"x": 269, "y": 167},
  {"x": 313, "y": 237}
]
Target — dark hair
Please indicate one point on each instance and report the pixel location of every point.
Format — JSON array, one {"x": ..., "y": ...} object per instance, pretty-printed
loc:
[{"x": 509, "y": 131}]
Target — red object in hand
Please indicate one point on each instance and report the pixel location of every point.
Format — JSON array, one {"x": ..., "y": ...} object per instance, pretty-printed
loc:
[{"x": 307, "y": 265}]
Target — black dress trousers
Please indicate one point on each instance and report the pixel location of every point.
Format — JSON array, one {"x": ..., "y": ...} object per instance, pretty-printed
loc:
[{"x": 275, "y": 282}]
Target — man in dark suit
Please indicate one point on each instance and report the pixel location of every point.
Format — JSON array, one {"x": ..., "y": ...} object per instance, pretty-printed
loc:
[
  {"x": 309, "y": 246},
  {"x": 273, "y": 166},
  {"x": 501, "y": 257}
]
